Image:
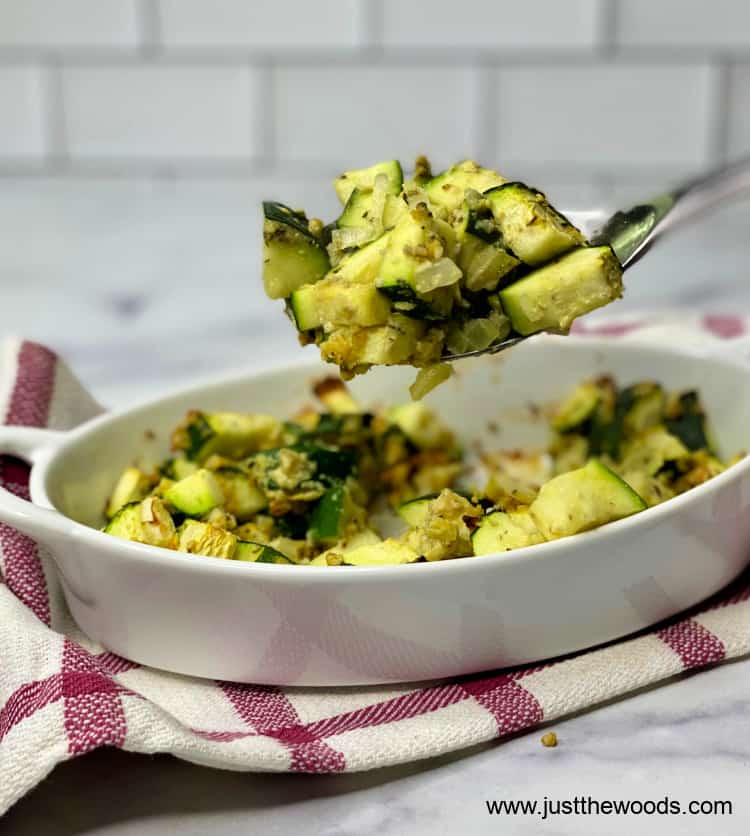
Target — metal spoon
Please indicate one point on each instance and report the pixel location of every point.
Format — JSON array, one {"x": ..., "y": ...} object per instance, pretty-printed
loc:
[{"x": 631, "y": 233}]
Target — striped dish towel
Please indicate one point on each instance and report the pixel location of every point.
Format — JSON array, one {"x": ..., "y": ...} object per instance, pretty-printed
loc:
[{"x": 61, "y": 695}]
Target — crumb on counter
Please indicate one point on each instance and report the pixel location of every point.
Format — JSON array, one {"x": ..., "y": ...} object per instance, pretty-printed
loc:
[{"x": 549, "y": 740}]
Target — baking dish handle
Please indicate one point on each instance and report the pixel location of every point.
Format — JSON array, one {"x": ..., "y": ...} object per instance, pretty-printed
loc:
[{"x": 28, "y": 443}]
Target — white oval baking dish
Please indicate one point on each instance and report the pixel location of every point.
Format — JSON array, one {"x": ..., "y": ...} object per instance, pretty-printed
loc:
[{"x": 293, "y": 625}]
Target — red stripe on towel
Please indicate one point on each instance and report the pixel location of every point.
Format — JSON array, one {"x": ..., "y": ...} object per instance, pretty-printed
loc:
[
  {"x": 693, "y": 643},
  {"x": 513, "y": 707},
  {"x": 93, "y": 710},
  {"x": 28, "y": 406},
  {"x": 270, "y": 713}
]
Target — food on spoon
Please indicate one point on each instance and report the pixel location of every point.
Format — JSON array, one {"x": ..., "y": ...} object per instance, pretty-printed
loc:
[
  {"x": 415, "y": 269},
  {"x": 550, "y": 298},
  {"x": 311, "y": 490}
]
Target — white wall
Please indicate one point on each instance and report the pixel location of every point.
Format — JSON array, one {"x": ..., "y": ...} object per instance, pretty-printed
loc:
[{"x": 574, "y": 93}]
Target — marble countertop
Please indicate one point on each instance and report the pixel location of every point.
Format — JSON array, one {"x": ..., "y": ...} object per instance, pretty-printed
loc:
[{"x": 144, "y": 287}]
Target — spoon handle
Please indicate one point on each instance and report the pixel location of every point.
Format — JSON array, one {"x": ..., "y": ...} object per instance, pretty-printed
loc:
[{"x": 631, "y": 233}]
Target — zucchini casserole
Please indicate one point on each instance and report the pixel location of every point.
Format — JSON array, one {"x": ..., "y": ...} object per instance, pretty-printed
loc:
[{"x": 338, "y": 485}]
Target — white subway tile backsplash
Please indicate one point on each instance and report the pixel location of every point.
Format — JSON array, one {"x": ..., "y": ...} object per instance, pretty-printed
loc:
[
  {"x": 162, "y": 112},
  {"x": 351, "y": 115},
  {"x": 582, "y": 88},
  {"x": 720, "y": 23},
  {"x": 605, "y": 115},
  {"x": 238, "y": 23},
  {"x": 72, "y": 23},
  {"x": 738, "y": 139},
  {"x": 490, "y": 24},
  {"x": 21, "y": 104}
]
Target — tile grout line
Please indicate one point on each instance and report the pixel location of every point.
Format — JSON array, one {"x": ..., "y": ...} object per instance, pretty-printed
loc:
[
  {"x": 148, "y": 23},
  {"x": 720, "y": 110},
  {"x": 369, "y": 25},
  {"x": 363, "y": 54},
  {"x": 607, "y": 23},
  {"x": 56, "y": 151},
  {"x": 485, "y": 106},
  {"x": 264, "y": 129},
  {"x": 204, "y": 168}
]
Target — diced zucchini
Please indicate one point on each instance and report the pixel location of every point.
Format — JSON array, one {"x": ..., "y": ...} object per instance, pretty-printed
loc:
[
  {"x": 583, "y": 499},
  {"x": 132, "y": 486},
  {"x": 516, "y": 475},
  {"x": 333, "y": 555},
  {"x": 146, "y": 522},
  {"x": 195, "y": 495},
  {"x": 334, "y": 512},
  {"x": 362, "y": 265},
  {"x": 202, "y": 538},
  {"x": 336, "y": 397},
  {"x": 435, "y": 305},
  {"x": 484, "y": 264},
  {"x": 501, "y": 532},
  {"x": 421, "y": 426},
  {"x": 686, "y": 419},
  {"x": 649, "y": 451},
  {"x": 395, "y": 209},
  {"x": 393, "y": 445},
  {"x": 429, "y": 378},
  {"x": 384, "y": 345},
  {"x": 304, "y": 308},
  {"x": 605, "y": 433},
  {"x": 619, "y": 414},
  {"x": 550, "y": 298},
  {"x": 389, "y": 552},
  {"x": 364, "y": 179},
  {"x": 414, "y": 241},
  {"x": 577, "y": 408},
  {"x": 653, "y": 489},
  {"x": 305, "y": 460},
  {"x": 447, "y": 189},
  {"x": 342, "y": 429},
  {"x": 231, "y": 434},
  {"x": 292, "y": 256},
  {"x": 241, "y": 496},
  {"x": 358, "y": 211},
  {"x": 531, "y": 228},
  {"x": 444, "y": 532},
  {"x": 178, "y": 468},
  {"x": 221, "y": 518},
  {"x": 415, "y": 511},
  {"x": 648, "y": 400},
  {"x": 161, "y": 487},
  {"x": 258, "y": 553},
  {"x": 366, "y": 216},
  {"x": 569, "y": 452},
  {"x": 695, "y": 469},
  {"x": 414, "y": 244},
  {"x": 330, "y": 462},
  {"x": 336, "y": 302},
  {"x": 477, "y": 334}
]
